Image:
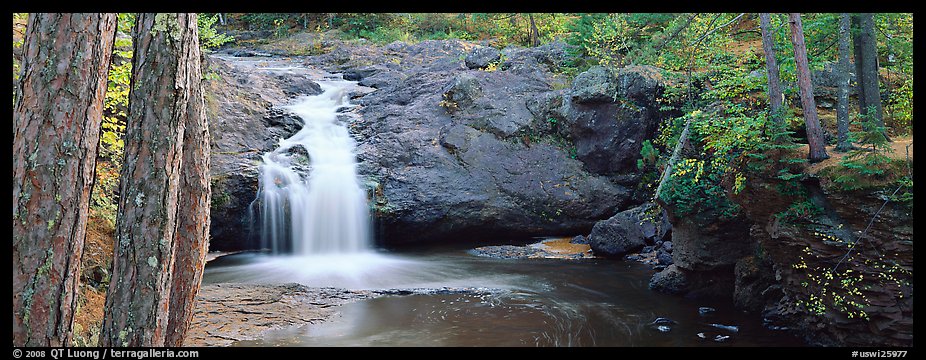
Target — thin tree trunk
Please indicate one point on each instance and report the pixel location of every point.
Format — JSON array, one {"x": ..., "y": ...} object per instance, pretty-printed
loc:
[
  {"x": 191, "y": 240},
  {"x": 56, "y": 132},
  {"x": 534, "y": 33},
  {"x": 682, "y": 140},
  {"x": 842, "y": 93},
  {"x": 812, "y": 123},
  {"x": 866, "y": 59},
  {"x": 771, "y": 65},
  {"x": 676, "y": 32},
  {"x": 165, "y": 62}
]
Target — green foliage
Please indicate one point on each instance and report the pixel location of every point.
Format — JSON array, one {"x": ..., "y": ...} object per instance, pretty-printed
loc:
[
  {"x": 869, "y": 160},
  {"x": 209, "y": 38},
  {"x": 905, "y": 194},
  {"x": 104, "y": 198},
  {"x": 803, "y": 210},
  {"x": 648, "y": 155},
  {"x": 900, "y": 106},
  {"x": 695, "y": 187},
  {"x": 827, "y": 289}
]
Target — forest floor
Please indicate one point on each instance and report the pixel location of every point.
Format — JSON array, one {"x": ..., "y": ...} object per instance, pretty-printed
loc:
[{"x": 898, "y": 152}]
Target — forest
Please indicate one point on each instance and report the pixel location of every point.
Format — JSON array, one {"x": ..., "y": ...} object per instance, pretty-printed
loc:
[{"x": 462, "y": 179}]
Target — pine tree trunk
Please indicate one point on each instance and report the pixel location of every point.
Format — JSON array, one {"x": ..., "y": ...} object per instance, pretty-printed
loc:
[
  {"x": 856, "y": 28},
  {"x": 866, "y": 64},
  {"x": 56, "y": 132},
  {"x": 771, "y": 65},
  {"x": 811, "y": 122},
  {"x": 842, "y": 93},
  {"x": 191, "y": 240},
  {"x": 165, "y": 68},
  {"x": 535, "y": 34}
]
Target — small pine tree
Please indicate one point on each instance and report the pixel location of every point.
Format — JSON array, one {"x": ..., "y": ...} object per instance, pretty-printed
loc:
[
  {"x": 869, "y": 159},
  {"x": 776, "y": 152}
]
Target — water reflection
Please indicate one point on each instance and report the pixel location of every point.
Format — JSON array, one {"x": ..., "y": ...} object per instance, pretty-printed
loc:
[{"x": 534, "y": 302}]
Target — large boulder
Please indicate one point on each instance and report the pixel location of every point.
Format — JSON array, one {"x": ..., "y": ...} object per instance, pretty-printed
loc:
[
  {"x": 609, "y": 115},
  {"x": 629, "y": 231},
  {"x": 446, "y": 151},
  {"x": 708, "y": 241},
  {"x": 459, "y": 153}
]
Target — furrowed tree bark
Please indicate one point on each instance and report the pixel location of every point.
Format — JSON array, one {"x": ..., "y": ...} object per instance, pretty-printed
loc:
[
  {"x": 56, "y": 131},
  {"x": 842, "y": 93},
  {"x": 866, "y": 65},
  {"x": 191, "y": 240},
  {"x": 163, "y": 74},
  {"x": 811, "y": 122},
  {"x": 771, "y": 66}
]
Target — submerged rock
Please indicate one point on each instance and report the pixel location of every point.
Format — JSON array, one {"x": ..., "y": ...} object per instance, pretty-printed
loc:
[
  {"x": 706, "y": 310},
  {"x": 730, "y": 328},
  {"x": 226, "y": 313},
  {"x": 559, "y": 248}
]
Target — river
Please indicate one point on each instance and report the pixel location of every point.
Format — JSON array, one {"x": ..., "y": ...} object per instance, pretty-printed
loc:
[{"x": 522, "y": 302}]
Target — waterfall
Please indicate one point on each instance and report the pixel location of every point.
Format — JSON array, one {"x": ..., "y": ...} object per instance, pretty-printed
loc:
[{"x": 325, "y": 210}]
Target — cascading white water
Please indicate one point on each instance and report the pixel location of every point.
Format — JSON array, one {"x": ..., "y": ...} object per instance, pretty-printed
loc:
[{"x": 327, "y": 212}]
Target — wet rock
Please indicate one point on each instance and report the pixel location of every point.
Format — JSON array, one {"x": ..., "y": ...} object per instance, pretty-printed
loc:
[
  {"x": 721, "y": 338},
  {"x": 663, "y": 321},
  {"x": 667, "y": 246},
  {"x": 615, "y": 236},
  {"x": 226, "y": 313},
  {"x": 755, "y": 286},
  {"x": 299, "y": 86},
  {"x": 704, "y": 311},
  {"x": 505, "y": 251},
  {"x": 249, "y": 53},
  {"x": 663, "y": 328},
  {"x": 547, "y": 249},
  {"x": 664, "y": 258},
  {"x": 287, "y": 123},
  {"x": 671, "y": 280},
  {"x": 581, "y": 239},
  {"x": 730, "y": 328},
  {"x": 482, "y": 56},
  {"x": 706, "y": 241},
  {"x": 624, "y": 232}
]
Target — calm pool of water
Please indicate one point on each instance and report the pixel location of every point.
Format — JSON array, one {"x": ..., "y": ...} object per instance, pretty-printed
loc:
[{"x": 534, "y": 302}]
